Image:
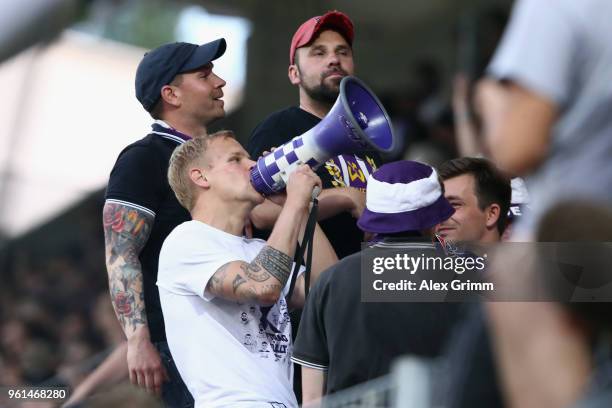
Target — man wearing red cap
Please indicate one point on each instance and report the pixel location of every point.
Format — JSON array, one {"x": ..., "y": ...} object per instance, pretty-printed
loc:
[{"x": 319, "y": 57}]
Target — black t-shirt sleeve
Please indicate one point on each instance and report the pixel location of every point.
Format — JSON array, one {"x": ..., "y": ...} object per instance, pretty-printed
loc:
[
  {"x": 310, "y": 348},
  {"x": 138, "y": 178}
]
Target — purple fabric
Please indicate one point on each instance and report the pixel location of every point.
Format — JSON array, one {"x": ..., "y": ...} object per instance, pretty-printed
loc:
[
  {"x": 162, "y": 129},
  {"x": 416, "y": 220},
  {"x": 356, "y": 177},
  {"x": 404, "y": 172}
]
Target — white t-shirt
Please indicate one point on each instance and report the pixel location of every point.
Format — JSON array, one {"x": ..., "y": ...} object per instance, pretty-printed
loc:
[{"x": 229, "y": 354}]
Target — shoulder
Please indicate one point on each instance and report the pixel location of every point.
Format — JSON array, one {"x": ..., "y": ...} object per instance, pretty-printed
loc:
[
  {"x": 278, "y": 128},
  {"x": 283, "y": 116},
  {"x": 143, "y": 150}
]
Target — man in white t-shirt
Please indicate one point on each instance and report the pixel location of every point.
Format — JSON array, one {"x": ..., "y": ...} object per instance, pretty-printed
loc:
[{"x": 223, "y": 295}]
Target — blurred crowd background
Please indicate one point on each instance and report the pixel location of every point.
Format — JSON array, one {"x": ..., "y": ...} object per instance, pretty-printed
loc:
[{"x": 56, "y": 319}]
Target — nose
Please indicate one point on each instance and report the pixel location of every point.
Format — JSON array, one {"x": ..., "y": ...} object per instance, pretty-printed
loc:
[
  {"x": 333, "y": 60},
  {"x": 219, "y": 82}
]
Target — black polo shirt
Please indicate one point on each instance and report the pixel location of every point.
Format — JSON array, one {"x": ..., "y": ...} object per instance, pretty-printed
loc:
[
  {"x": 357, "y": 341},
  {"x": 139, "y": 179}
]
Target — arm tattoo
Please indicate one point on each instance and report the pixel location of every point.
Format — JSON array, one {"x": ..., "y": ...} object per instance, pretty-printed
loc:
[
  {"x": 126, "y": 231},
  {"x": 254, "y": 271},
  {"x": 275, "y": 263},
  {"x": 215, "y": 285},
  {"x": 238, "y": 280}
]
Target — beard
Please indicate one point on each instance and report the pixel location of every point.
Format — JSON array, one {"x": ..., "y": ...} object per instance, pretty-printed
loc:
[{"x": 325, "y": 92}]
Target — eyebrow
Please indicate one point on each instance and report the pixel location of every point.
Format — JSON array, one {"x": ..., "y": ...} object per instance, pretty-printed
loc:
[
  {"x": 452, "y": 197},
  {"x": 206, "y": 68}
]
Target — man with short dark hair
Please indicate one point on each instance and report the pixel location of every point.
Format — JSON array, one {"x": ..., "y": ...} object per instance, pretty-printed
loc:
[
  {"x": 176, "y": 84},
  {"x": 480, "y": 195}
]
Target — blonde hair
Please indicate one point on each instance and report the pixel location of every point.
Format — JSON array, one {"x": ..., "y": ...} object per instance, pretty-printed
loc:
[{"x": 182, "y": 159}]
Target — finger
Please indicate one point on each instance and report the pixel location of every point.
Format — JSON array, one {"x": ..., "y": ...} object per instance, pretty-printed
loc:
[
  {"x": 140, "y": 379},
  {"x": 149, "y": 380},
  {"x": 158, "y": 380},
  {"x": 133, "y": 377}
]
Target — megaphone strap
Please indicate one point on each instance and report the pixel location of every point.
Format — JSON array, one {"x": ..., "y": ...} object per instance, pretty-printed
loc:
[{"x": 299, "y": 253}]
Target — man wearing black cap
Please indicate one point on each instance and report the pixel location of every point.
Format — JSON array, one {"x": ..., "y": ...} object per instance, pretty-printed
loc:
[
  {"x": 176, "y": 85},
  {"x": 320, "y": 56}
]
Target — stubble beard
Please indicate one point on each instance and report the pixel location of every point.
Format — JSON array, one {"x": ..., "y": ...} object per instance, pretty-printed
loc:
[{"x": 323, "y": 93}]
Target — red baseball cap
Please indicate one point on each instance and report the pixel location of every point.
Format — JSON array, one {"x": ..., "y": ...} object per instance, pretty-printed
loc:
[{"x": 334, "y": 20}]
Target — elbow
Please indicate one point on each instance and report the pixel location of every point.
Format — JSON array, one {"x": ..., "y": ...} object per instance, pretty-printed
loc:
[{"x": 518, "y": 152}]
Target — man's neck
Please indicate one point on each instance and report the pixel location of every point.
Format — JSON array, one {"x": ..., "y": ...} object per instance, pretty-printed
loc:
[
  {"x": 226, "y": 217},
  {"x": 490, "y": 237},
  {"x": 317, "y": 108},
  {"x": 186, "y": 126}
]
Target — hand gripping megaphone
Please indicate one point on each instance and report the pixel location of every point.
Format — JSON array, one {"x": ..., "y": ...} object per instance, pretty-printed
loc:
[{"x": 357, "y": 122}]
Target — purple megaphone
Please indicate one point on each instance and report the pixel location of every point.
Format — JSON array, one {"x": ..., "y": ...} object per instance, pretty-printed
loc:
[{"x": 357, "y": 122}]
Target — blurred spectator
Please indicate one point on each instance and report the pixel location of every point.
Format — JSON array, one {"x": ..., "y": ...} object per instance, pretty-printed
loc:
[
  {"x": 557, "y": 354},
  {"x": 546, "y": 106}
]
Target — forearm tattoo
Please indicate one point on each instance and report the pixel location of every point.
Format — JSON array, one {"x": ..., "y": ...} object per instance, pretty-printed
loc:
[
  {"x": 238, "y": 280},
  {"x": 274, "y": 262},
  {"x": 126, "y": 231},
  {"x": 257, "y": 282}
]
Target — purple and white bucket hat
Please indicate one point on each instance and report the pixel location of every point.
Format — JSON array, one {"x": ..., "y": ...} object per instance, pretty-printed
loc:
[{"x": 404, "y": 196}]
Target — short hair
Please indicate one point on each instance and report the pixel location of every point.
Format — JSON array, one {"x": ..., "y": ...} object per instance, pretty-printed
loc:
[
  {"x": 491, "y": 185},
  {"x": 185, "y": 156},
  {"x": 157, "y": 109}
]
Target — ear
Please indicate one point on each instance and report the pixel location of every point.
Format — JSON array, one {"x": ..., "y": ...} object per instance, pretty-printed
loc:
[
  {"x": 493, "y": 212},
  {"x": 198, "y": 177},
  {"x": 171, "y": 95},
  {"x": 294, "y": 74}
]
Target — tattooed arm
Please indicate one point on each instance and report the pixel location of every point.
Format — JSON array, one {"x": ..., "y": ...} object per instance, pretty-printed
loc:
[
  {"x": 126, "y": 231},
  {"x": 262, "y": 280}
]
